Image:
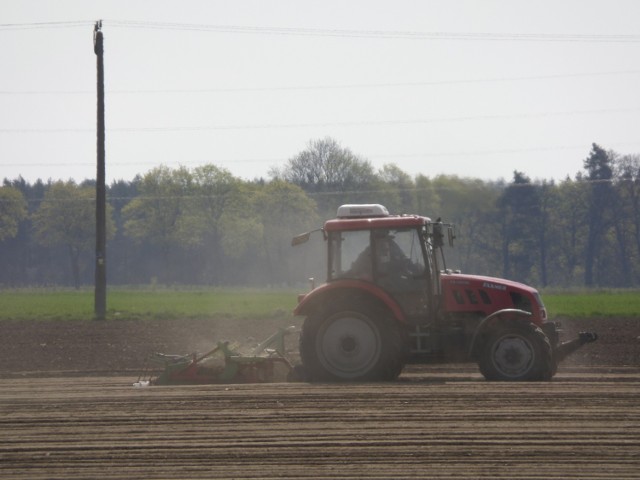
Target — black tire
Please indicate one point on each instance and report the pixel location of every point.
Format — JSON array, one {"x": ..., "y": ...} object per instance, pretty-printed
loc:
[
  {"x": 517, "y": 353},
  {"x": 350, "y": 346}
]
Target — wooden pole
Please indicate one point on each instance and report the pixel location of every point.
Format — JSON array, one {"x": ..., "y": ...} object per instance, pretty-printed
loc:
[{"x": 100, "y": 303}]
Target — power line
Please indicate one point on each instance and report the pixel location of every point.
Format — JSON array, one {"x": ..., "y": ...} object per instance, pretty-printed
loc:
[
  {"x": 40, "y": 25},
  {"x": 286, "y": 88},
  {"x": 466, "y": 153},
  {"x": 380, "y": 34},
  {"x": 499, "y": 185},
  {"x": 355, "y": 123},
  {"x": 345, "y": 33}
]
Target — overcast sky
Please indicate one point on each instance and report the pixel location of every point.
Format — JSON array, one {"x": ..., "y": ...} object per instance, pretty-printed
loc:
[{"x": 475, "y": 88}]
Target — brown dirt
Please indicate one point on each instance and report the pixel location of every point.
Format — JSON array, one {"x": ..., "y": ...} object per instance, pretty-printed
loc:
[
  {"x": 68, "y": 409},
  {"x": 122, "y": 346},
  {"x": 116, "y": 347}
]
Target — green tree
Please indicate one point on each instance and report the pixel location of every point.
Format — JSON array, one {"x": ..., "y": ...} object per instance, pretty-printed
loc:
[
  {"x": 256, "y": 228},
  {"x": 628, "y": 175},
  {"x": 163, "y": 214},
  {"x": 21, "y": 257},
  {"x": 13, "y": 209},
  {"x": 599, "y": 169},
  {"x": 542, "y": 232},
  {"x": 427, "y": 200},
  {"x": 399, "y": 189},
  {"x": 470, "y": 204},
  {"x": 285, "y": 210},
  {"x": 520, "y": 212},
  {"x": 215, "y": 190},
  {"x": 66, "y": 217},
  {"x": 126, "y": 263},
  {"x": 568, "y": 230},
  {"x": 241, "y": 234}
]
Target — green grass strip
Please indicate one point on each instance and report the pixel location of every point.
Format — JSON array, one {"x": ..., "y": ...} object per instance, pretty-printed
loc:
[
  {"x": 161, "y": 303},
  {"x": 136, "y": 303},
  {"x": 614, "y": 303}
]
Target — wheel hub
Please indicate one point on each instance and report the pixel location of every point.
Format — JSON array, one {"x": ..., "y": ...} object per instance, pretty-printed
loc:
[
  {"x": 513, "y": 355},
  {"x": 349, "y": 345}
]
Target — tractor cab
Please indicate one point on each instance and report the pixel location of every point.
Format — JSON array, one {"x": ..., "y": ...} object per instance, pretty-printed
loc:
[{"x": 392, "y": 253}]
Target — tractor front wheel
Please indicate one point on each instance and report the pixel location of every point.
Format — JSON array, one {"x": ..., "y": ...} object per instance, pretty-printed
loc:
[
  {"x": 350, "y": 345},
  {"x": 517, "y": 353}
]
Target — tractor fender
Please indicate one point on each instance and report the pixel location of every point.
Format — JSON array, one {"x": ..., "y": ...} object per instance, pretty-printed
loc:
[
  {"x": 495, "y": 318},
  {"x": 330, "y": 293}
]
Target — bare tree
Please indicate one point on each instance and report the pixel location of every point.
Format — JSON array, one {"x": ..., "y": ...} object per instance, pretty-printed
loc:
[{"x": 333, "y": 173}]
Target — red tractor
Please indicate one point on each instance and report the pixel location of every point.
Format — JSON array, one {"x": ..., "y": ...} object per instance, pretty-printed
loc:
[{"x": 389, "y": 300}]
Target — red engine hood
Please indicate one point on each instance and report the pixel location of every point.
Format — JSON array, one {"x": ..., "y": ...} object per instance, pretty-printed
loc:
[
  {"x": 485, "y": 282},
  {"x": 486, "y": 295}
]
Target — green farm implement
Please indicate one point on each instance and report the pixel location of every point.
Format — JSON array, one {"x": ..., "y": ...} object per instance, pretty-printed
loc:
[{"x": 266, "y": 363}]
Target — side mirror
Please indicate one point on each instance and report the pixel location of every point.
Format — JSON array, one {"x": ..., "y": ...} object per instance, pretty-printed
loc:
[
  {"x": 300, "y": 239},
  {"x": 304, "y": 237},
  {"x": 451, "y": 235}
]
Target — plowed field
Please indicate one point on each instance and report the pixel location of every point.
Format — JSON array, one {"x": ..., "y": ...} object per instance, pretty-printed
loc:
[{"x": 71, "y": 422}]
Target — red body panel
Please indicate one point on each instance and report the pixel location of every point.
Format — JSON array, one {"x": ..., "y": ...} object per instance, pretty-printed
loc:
[
  {"x": 322, "y": 290},
  {"x": 475, "y": 293},
  {"x": 460, "y": 294}
]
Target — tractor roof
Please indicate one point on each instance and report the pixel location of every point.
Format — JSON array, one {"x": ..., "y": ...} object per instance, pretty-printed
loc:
[{"x": 370, "y": 216}]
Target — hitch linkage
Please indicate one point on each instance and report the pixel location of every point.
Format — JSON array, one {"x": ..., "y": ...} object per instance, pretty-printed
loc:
[{"x": 567, "y": 348}]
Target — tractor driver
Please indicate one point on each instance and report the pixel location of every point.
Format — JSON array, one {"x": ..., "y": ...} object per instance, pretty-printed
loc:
[{"x": 390, "y": 260}]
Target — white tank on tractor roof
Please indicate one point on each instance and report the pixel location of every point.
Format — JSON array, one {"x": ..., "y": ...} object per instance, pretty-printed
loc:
[{"x": 362, "y": 211}]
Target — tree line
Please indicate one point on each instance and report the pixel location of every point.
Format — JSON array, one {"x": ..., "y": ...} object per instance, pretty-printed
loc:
[{"x": 203, "y": 226}]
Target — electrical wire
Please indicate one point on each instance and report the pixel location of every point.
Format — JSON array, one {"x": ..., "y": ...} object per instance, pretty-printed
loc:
[
  {"x": 467, "y": 153},
  {"x": 379, "y": 34},
  {"x": 355, "y": 123},
  {"x": 294, "y": 88},
  {"x": 345, "y": 33},
  {"x": 495, "y": 185},
  {"x": 41, "y": 25}
]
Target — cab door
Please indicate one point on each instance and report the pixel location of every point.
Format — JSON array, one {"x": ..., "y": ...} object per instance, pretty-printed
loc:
[{"x": 403, "y": 272}]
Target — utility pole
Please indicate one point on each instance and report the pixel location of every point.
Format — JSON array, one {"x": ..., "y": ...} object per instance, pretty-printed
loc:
[{"x": 100, "y": 302}]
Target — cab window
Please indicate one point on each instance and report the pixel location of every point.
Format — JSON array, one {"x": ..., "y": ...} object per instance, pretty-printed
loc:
[{"x": 344, "y": 249}]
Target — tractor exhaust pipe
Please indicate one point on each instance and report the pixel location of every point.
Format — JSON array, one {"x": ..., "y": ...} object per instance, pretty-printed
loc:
[{"x": 567, "y": 348}]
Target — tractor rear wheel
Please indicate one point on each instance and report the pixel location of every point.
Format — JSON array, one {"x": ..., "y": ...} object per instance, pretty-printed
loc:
[
  {"x": 350, "y": 345},
  {"x": 517, "y": 353}
]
